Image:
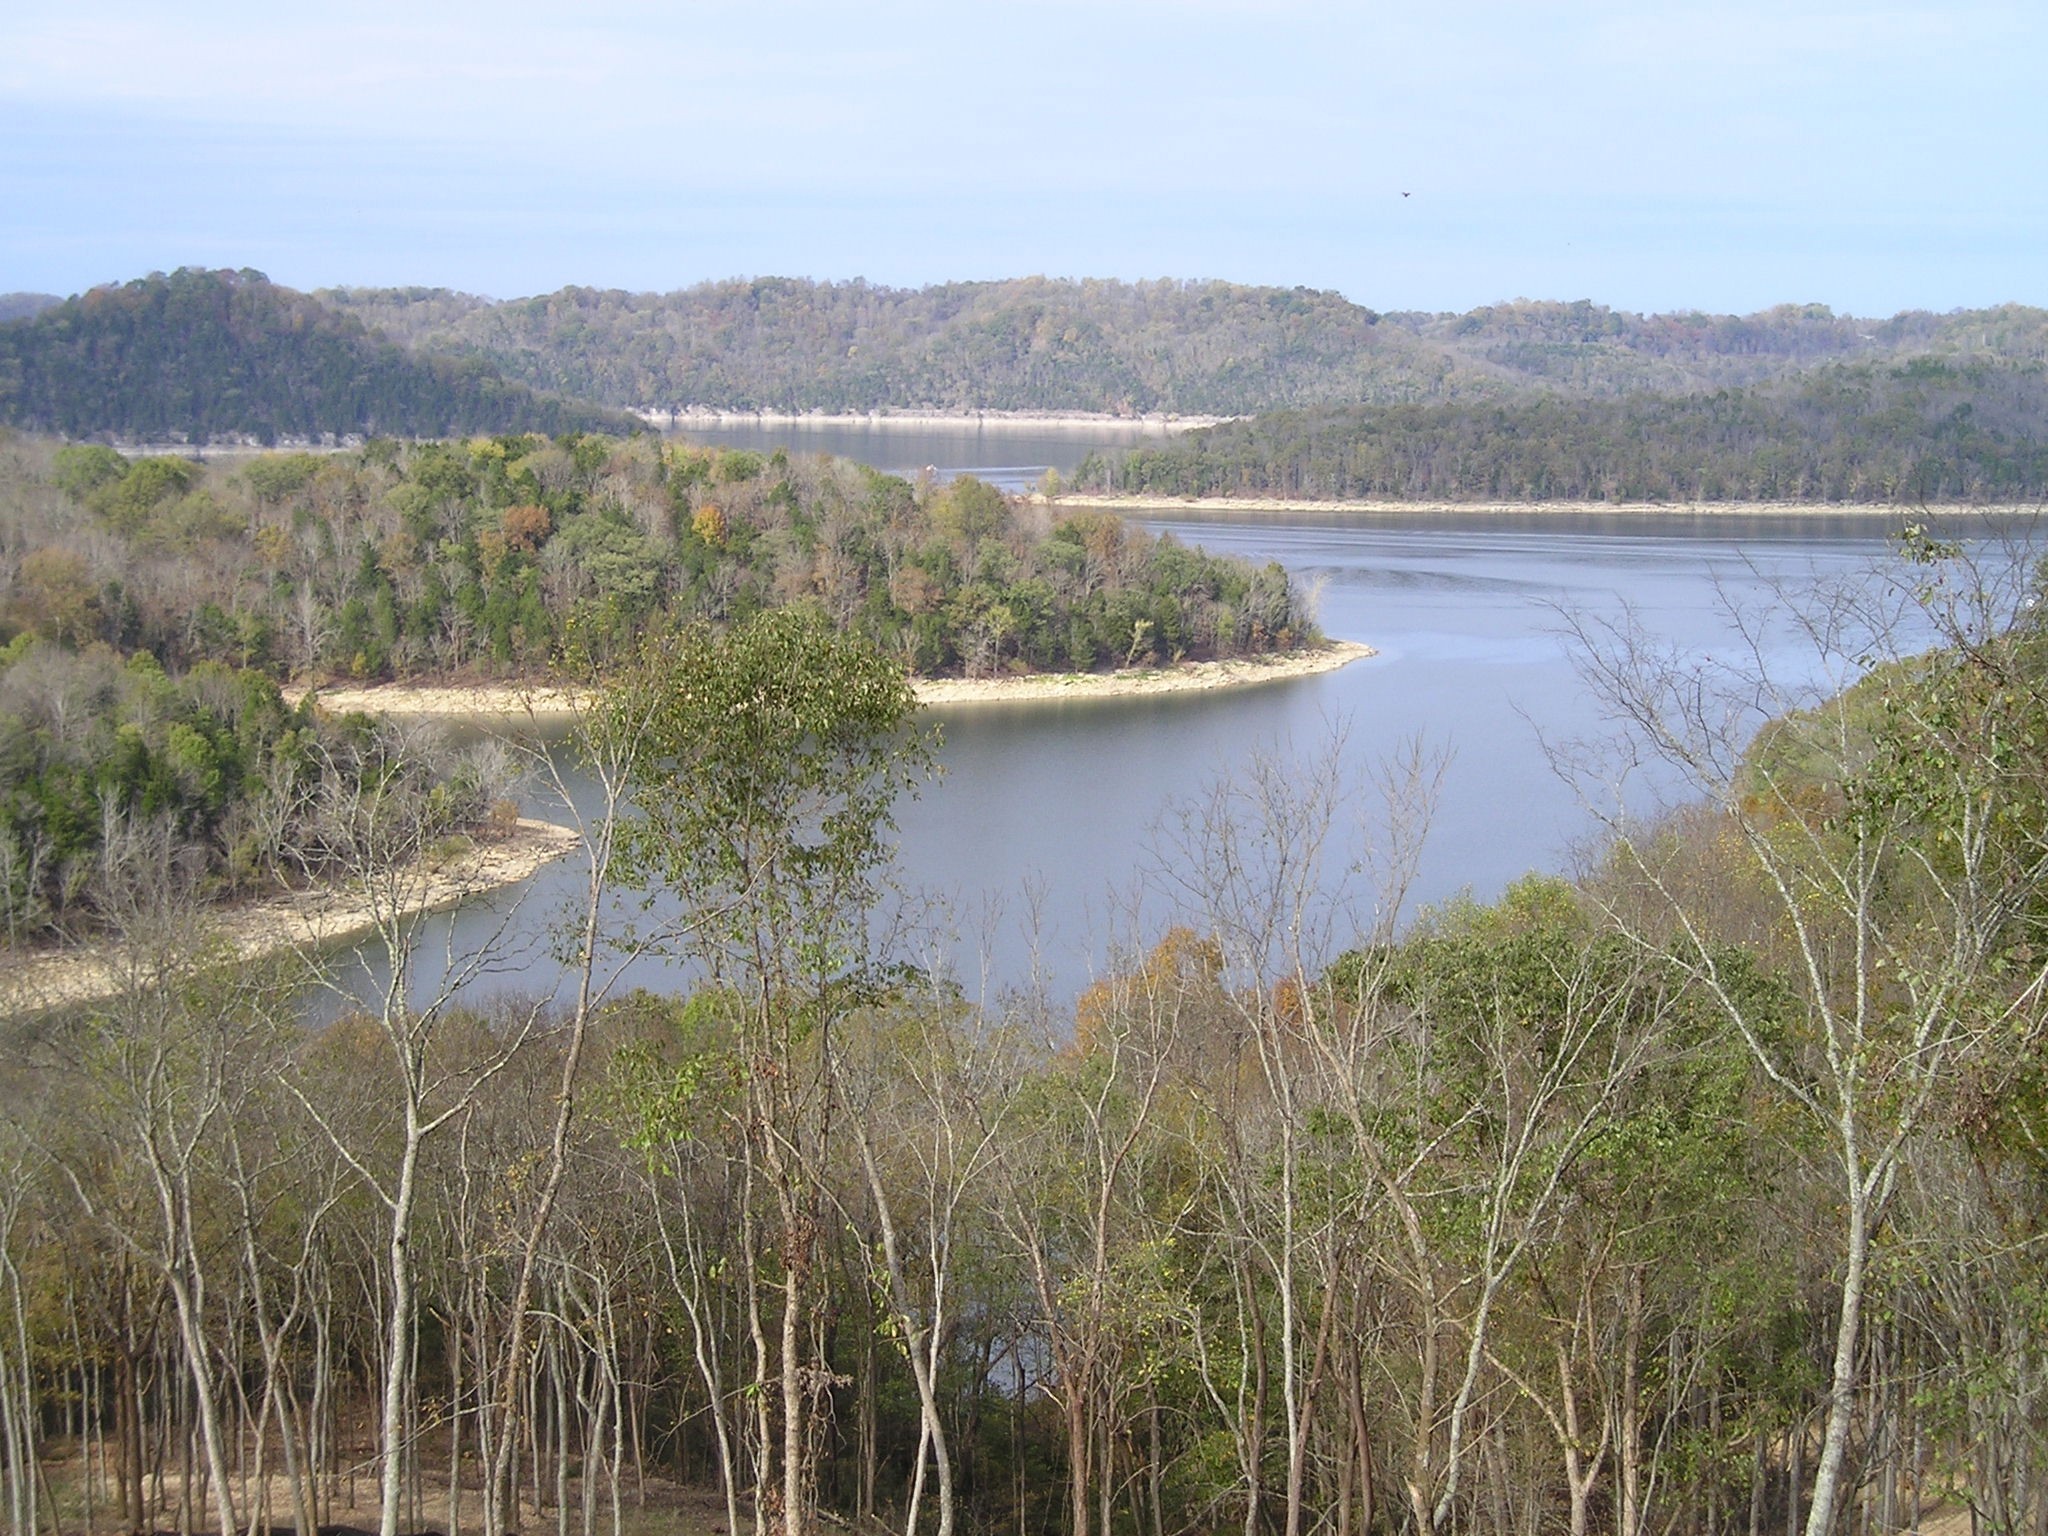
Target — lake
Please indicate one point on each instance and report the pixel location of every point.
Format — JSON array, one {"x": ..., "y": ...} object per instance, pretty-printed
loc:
[{"x": 1040, "y": 841}]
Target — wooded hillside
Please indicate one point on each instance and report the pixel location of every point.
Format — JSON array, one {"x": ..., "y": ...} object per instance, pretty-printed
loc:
[
  {"x": 1194, "y": 348},
  {"x": 480, "y": 557},
  {"x": 197, "y": 355},
  {"x": 1921, "y": 431}
]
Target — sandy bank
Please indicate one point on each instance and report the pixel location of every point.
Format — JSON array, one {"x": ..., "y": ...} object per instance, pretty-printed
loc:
[
  {"x": 299, "y": 920},
  {"x": 1141, "y": 505},
  {"x": 943, "y": 421},
  {"x": 1188, "y": 677},
  {"x": 514, "y": 703},
  {"x": 482, "y": 701}
]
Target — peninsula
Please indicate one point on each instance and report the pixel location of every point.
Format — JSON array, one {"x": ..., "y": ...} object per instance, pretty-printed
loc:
[
  {"x": 303, "y": 921},
  {"x": 543, "y": 703}
]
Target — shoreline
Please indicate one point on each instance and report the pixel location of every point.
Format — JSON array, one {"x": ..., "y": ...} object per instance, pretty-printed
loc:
[
  {"x": 296, "y": 920},
  {"x": 543, "y": 704},
  {"x": 1103, "y": 502},
  {"x": 1188, "y": 677},
  {"x": 915, "y": 420}
]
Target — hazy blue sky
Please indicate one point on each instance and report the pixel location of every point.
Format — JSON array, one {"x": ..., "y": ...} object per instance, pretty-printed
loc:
[{"x": 1716, "y": 155}]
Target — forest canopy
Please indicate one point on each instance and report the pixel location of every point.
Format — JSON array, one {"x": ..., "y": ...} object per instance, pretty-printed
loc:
[
  {"x": 1702, "y": 1192},
  {"x": 478, "y": 557},
  {"x": 1188, "y": 348},
  {"x": 198, "y": 356},
  {"x": 1923, "y": 431}
]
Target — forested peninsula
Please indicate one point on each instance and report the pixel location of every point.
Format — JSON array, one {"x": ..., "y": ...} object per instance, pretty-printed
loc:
[
  {"x": 149, "y": 608},
  {"x": 484, "y": 557},
  {"x": 1924, "y": 431}
]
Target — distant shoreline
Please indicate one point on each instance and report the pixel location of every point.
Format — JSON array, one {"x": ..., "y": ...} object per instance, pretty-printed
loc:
[
  {"x": 543, "y": 705},
  {"x": 987, "y": 421},
  {"x": 308, "y": 919},
  {"x": 1091, "y": 502}
]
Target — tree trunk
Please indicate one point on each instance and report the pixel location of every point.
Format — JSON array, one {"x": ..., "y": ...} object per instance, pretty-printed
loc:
[{"x": 1827, "y": 1473}]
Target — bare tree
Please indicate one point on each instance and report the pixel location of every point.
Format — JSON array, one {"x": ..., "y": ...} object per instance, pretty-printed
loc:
[
  {"x": 1885, "y": 846},
  {"x": 381, "y": 815}
]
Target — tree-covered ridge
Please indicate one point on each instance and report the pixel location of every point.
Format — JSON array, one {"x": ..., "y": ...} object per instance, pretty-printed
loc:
[
  {"x": 1924, "y": 430},
  {"x": 1030, "y": 344},
  {"x": 485, "y": 556},
  {"x": 1037, "y": 344},
  {"x": 1590, "y": 349},
  {"x": 201, "y": 355}
]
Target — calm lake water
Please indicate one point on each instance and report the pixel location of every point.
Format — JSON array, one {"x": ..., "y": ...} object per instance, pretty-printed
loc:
[{"x": 1040, "y": 842}]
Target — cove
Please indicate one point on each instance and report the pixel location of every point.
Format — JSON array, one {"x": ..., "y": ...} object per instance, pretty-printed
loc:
[{"x": 1038, "y": 843}]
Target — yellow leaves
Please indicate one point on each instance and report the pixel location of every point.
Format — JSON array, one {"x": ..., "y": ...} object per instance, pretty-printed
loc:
[
  {"x": 57, "y": 597},
  {"x": 1183, "y": 961},
  {"x": 708, "y": 523},
  {"x": 398, "y": 552},
  {"x": 912, "y": 589},
  {"x": 273, "y": 546},
  {"x": 526, "y": 527},
  {"x": 491, "y": 547}
]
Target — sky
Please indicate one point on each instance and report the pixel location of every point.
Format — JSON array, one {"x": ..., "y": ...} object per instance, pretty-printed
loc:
[{"x": 1411, "y": 154}]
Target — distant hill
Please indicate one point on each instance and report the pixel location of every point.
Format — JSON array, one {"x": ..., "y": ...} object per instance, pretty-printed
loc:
[
  {"x": 1207, "y": 348},
  {"x": 1588, "y": 349},
  {"x": 1925, "y": 430},
  {"x": 1028, "y": 344},
  {"x": 217, "y": 354},
  {"x": 204, "y": 355},
  {"x": 23, "y": 306}
]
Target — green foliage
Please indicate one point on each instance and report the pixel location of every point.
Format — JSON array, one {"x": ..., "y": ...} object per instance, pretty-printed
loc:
[
  {"x": 79, "y": 469},
  {"x": 769, "y": 756},
  {"x": 1036, "y": 344},
  {"x": 112, "y": 772},
  {"x": 478, "y": 555},
  {"x": 129, "y": 503},
  {"x": 201, "y": 355},
  {"x": 1849, "y": 433}
]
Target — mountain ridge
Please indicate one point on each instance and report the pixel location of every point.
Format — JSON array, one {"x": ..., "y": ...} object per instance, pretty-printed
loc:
[
  {"x": 1114, "y": 348},
  {"x": 204, "y": 355}
]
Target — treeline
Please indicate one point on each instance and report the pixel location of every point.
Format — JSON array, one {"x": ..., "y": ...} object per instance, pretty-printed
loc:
[
  {"x": 487, "y": 556},
  {"x": 1922, "y": 431},
  {"x": 1589, "y": 349},
  {"x": 201, "y": 355},
  {"x": 113, "y": 773},
  {"x": 1029, "y": 344},
  {"x": 1035, "y": 344},
  {"x": 198, "y": 356},
  {"x": 1704, "y": 1194}
]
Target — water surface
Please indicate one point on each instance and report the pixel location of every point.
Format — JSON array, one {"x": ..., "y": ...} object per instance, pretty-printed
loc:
[
  {"x": 1042, "y": 839},
  {"x": 1046, "y": 820}
]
